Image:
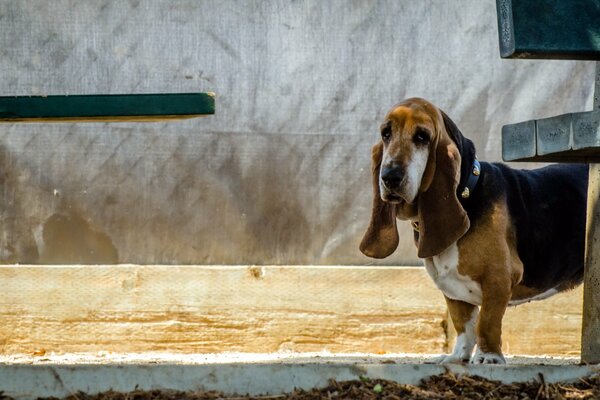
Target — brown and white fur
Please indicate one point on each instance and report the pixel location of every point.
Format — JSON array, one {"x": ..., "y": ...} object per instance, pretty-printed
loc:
[{"x": 519, "y": 236}]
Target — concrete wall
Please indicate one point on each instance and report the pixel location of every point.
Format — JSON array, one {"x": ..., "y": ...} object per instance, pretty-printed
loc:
[{"x": 280, "y": 174}]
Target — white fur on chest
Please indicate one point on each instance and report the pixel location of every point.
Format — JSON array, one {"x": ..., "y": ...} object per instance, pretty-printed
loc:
[{"x": 443, "y": 269}]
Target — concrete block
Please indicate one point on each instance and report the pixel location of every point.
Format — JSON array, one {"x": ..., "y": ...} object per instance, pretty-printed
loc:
[
  {"x": 553, "y": 134},
  {"x": 26, "y": 382},
  {"x": 518, "y": 141},
  {"x": 586, "y": 129}
]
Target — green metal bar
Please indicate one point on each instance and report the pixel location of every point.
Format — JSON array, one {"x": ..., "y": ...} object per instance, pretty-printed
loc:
[
  {"x": 551, "y": 29},
  {"x": 120, "y": 107}
]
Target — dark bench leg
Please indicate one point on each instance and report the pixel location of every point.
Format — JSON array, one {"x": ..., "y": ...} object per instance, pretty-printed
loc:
[{"x": 590, "y": 338}]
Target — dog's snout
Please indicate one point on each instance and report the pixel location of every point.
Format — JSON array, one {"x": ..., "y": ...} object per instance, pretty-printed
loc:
[{"x": 392, "y": 176}]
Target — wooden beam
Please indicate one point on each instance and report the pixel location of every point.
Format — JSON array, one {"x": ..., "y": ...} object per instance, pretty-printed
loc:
[
  {"x": 549, "y": 29},
  {"x": 106, "y": 108},
  {"x": 551, "y": 326},
  {"x": 590, "y": 340},
  {"x": 193, "y": 309},
  {"x": 573, "y": 137},
  {"x": 206, "y": 309}
]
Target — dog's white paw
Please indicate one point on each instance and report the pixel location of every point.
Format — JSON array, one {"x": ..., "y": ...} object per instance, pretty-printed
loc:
[
  {"x": 450, "y": 359},
  {"x": 487, "y": 358}
]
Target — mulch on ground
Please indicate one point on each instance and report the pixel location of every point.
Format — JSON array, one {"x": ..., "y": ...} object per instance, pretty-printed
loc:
[{"x": 445, "y": 386}]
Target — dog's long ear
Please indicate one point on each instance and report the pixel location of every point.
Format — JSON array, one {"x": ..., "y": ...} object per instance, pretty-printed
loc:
[
  {"x": 381, "y": 238},
  {"x": 466, "y": 148},
  {"x": 442, "y": 219}
]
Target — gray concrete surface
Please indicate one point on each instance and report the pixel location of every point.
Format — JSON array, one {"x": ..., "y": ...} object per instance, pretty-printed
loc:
[
  {"x": 252, "y": 374},
  {"x": 280, "y": 175}
]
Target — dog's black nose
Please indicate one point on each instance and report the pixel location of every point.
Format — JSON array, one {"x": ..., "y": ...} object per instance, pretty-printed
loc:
[{"x": 392, "y": 176}]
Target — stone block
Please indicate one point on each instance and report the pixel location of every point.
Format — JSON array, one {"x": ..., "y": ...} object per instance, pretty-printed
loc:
[
  {"x": 586, "y": 129},
  {"x": 518, "y": 141},
  {"x": 553, "y": 134}
]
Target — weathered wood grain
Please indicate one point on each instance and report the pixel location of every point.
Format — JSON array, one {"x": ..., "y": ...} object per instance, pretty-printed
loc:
[
  {"x": 202, "y": 309},
  {"x": 551, "y": 326},
  {"x": 216, "y": 309},
  {"x": 590, "y": 339},
  {"x": 590, "y": 349}
]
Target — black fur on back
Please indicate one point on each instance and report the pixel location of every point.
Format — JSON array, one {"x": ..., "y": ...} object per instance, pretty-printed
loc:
[{"x": 547, "y": 207}]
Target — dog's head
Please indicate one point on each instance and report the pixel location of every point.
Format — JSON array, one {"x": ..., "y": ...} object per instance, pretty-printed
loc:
[{"x": 416, "y": 169}]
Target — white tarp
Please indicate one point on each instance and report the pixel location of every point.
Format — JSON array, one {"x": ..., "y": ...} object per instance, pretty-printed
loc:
[{"x": 280, "y": 175}]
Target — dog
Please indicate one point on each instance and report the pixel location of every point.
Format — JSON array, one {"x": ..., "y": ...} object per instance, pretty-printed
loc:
[{"x": 490, "y": 236}]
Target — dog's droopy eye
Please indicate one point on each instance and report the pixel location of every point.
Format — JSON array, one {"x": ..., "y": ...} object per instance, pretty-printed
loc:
[
  {"x": 421, "y": 136},
  {"x": 386, "y": 133}
]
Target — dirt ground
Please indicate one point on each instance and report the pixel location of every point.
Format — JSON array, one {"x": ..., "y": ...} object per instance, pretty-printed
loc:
[{"x": 439, "y": 387}]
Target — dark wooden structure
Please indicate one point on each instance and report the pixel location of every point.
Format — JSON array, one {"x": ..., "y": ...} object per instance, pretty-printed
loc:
[
  {"x": 105, "y": 107},
  {"x": 566, "y": 30}
]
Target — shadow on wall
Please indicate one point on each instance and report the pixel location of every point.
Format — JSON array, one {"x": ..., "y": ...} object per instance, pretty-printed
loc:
[
  {"x": 261, "y": 201},
  {"x": 17, "y": 244},
  {"x": 63, "y": 238},
  {"x": 69, "y": 239}
]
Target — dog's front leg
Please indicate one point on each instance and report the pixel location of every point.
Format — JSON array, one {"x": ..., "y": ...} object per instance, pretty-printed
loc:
[
  {"x": 495, "y": 297},
  {"x": 464, "y": 317}
]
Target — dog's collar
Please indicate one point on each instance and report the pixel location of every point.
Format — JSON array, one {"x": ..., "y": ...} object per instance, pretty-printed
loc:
[
  {"x": 466, "y": 192},
  {"x": 415, "y": 225}
]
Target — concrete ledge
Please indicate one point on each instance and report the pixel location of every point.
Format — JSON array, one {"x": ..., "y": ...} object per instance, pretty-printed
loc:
[{"x": 267, "y": 376}]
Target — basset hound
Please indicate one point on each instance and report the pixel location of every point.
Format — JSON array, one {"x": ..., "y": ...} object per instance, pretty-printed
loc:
[{"x": 491, "y": 236}]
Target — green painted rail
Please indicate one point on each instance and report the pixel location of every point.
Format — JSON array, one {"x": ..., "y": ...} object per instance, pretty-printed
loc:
[
  {"x": 551, "y": 29},
  {"x": 106, "y": 108}
]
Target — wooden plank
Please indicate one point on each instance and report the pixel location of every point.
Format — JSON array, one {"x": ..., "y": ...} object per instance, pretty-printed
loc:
[
  {"x": 518, "y": 141},
  {"x": 106, "y": 108},
  {"x": 551, "y": 326},
  {"x": 590, "y": 339},
  {"x": 573, "y": 137},
  {"x": 553, "y": 134},
  {"x": 204, "y": 309},
  {"x": 549, "y": 29},
  {"x": 586, "y": 130},
  {"x": 216, "y": 309}
]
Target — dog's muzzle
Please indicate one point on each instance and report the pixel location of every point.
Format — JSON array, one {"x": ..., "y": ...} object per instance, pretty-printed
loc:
[{"x": 391, "y": 179}]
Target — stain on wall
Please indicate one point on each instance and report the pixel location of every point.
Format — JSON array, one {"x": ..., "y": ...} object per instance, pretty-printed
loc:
[{"x": 70, "y": 239}]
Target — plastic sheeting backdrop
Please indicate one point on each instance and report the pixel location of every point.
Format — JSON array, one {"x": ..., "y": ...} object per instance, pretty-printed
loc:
[{"x": 280, "y": 175}]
